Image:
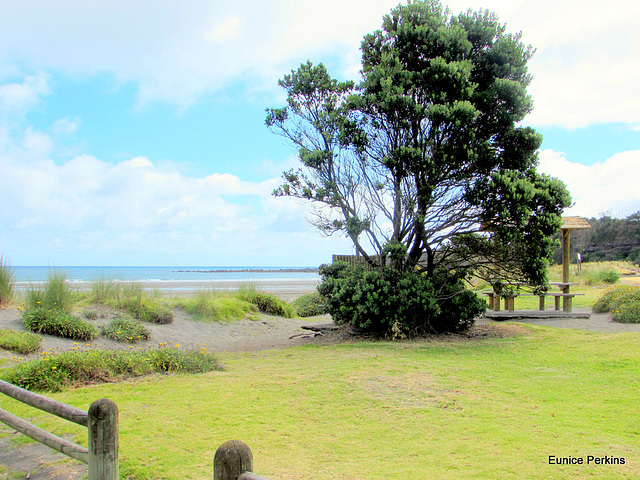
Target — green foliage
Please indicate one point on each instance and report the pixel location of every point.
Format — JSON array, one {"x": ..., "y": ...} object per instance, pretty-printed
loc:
[
  {"x": 7, "y": 282},
  {"x": 126, "y": 329},
  {"x": 210, "y": 306},
  {"x": 386, "y": 301},
  {"x": 23, "y": 343},
  {"x": 310, "y": 304},
  {"x": 53, "y": 294},
  {"x": 75, "y": 368},
  {"x": 428, "y": 147},
  {"x": 58, "y": 323},
  {"x": 608, "y": 239},
  {"x": 148, "y": 310},
  {"x": 266, "y": 302},
  {"x": 90, "y": 314},
  {"x": 603, "y": 304},
  {"x": 104, "y": 291},
  {"x": 132, "y": 298},
  {"x": 623, "y": 302}
]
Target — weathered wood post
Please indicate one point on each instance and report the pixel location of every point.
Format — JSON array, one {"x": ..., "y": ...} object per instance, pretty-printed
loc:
[
  {"x": 231, "y": 459},
  {"x": 103, "y": 440}
]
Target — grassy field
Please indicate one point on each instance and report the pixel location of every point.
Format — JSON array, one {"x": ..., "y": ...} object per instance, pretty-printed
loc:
[{"x": 477, "y": 409}]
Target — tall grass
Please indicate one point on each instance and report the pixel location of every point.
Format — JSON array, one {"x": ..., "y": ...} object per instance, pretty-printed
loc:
[
  {"x": 266, "y": 302},
  {"x": 7, "y": 282},
  {"x": 53, "y": 294},
  {"x": 214, "y": 306},
  {"x": 131, "y": 297},
  {"x": 104, "y": 290}
]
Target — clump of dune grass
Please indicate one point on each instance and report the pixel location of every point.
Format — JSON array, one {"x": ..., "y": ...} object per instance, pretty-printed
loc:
[
  {"x": 133, "y": 299},
  {"x": 58, "y": 323},
  {"x": 7, "y": 282},
  {"x": 126, "y": 329},
  {"x": 76, "y": 368},
  {"x": 214, "y": 306},
  {"x": 104, "y": 290},
  {"x": 54, "y": 293},
  {"x": 266, "y": 302},
  {"x": 20, "y": 342}
]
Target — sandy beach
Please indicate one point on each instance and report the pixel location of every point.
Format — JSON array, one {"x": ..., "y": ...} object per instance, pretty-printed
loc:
[{"x": 285, "y": 289}]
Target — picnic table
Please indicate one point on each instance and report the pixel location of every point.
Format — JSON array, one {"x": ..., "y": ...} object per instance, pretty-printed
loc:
[{"x": 564, "y": 294}]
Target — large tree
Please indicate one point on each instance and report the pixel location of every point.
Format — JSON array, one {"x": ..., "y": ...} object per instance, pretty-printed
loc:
[{"x": 423, "y": 163}]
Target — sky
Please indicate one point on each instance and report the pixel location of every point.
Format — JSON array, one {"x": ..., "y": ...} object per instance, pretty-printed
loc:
[{"x": 132, "y": 133}]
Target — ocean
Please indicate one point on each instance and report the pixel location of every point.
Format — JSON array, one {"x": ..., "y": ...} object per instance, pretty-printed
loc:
[{"x": 175, "y": 274}]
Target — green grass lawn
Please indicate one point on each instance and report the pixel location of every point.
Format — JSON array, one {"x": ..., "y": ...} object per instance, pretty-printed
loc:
[{"x": 481, "y": 409}]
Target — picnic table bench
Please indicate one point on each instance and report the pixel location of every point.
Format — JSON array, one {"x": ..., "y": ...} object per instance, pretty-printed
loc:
[{"x": 509, "y": 300}]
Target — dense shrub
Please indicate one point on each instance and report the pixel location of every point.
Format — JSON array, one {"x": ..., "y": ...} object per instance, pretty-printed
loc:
[
  {"x": 126, "y": 329},
  {"x": 625, "y": 308},
  {"x": 55, "y": 372},
  {"x": 58, "y": 323},
  {"x": 603, "y": 304},
  {"x": 310, "y": 304},
  {"x": 20, "y": 342},
  {"x": 386, "y": 301}
]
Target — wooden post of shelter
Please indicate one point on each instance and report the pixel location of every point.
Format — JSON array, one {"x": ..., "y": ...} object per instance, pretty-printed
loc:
[{"x": 568, "y": 225}]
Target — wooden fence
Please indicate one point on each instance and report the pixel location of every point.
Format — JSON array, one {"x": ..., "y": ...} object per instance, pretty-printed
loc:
[
  {"x": 234, "y": 461},
  {"x": 355, "y": 260},
  {"x": 101, "y": 421}
]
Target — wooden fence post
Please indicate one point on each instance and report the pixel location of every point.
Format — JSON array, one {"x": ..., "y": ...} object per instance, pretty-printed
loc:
[
  {"x": 231, "y": 459},
  {"x": 103, "y": 440}
]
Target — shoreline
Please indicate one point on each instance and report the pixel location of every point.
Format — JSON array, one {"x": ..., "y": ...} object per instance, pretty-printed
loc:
[{"x": 284, "y": 288}]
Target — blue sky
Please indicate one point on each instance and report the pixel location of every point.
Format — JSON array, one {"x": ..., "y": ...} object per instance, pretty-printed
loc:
[{"x": 132, "y": 133}]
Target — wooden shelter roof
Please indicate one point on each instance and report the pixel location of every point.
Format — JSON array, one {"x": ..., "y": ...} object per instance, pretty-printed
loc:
[{"x": 574, "y": 223}]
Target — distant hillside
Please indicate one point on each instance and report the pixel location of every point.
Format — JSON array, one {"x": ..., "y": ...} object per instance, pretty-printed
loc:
[{"x": 607, "y": 239}]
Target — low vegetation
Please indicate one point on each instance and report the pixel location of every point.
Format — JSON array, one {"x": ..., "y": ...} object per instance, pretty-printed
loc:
[
  {"x": 20, "y": 342},
  {"x": 58, "y": 323},
  {"x": 266, "y": 302},
  {"x": 74, "y": 368},
  {"x": 622, "y": 301},
  {"x": 126, "y": 329},
  {"x": 216, "y": 306},
  {"x": 310, "y": 304},
  {"x": 7, "y": 282},
  {"x": 132, "y": 298}
]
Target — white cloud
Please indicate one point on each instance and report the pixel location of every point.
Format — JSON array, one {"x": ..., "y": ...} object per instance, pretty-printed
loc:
[
  {"x": 18, "y": 98},
  {"x": 586, "y": 69},
  {"x": 610, "y": 186},
  {"x": 135, "y": 211}
]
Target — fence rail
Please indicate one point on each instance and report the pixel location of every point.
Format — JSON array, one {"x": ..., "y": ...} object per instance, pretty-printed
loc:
[
  {"x": 101, "y": 421},
  {"x": 234, "y": 461},
  {"x": 355, "y": 260}
]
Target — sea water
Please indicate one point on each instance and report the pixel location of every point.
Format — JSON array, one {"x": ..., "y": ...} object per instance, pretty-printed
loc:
[{"x": 175, "y": 274}]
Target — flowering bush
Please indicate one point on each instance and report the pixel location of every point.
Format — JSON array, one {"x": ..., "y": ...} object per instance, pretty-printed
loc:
[
  {"x": 625, "y": 308},
  {"x": 603, "y": 304}
]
